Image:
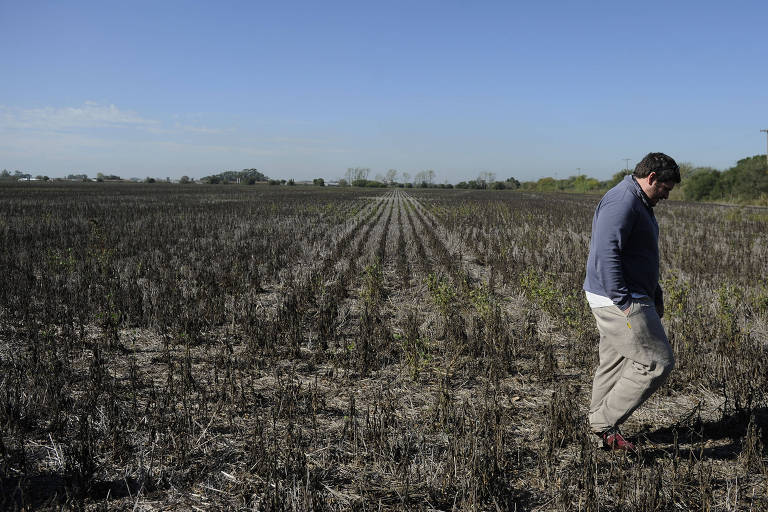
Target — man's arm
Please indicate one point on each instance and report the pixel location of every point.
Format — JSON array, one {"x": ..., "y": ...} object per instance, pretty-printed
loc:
[
  {"x": 612, "y": 229},
  {"x": 659, "y": 301}
]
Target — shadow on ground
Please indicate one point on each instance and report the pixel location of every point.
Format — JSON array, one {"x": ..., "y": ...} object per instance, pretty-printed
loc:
[
  {"x": 691, "y": 435},
  {"x": 49, "y": 489}
]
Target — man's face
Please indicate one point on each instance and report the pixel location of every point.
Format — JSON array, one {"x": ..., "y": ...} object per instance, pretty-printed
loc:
[{"x": 658, "y": 190}]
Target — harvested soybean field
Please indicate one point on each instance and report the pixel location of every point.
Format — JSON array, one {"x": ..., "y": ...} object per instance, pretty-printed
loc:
[{"x": 169, "y": 347}]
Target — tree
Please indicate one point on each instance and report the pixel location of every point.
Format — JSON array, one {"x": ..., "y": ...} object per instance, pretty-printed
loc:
[
  {"x": 368, "y": 183},
  {"x": 748, "y": 179},
  {"x": 512, "y": 183},
  {"x": 391, "y": 176},
  {"x": 475, "y": 185},
  {"x": 687, "y": 169},
  {"x": 107, "y": 177},
  {"x": 184, "y": 180},
  {"x": 247, "y": 176},
  {"x": 485, "y": 178},
  {"x": 547, "y": 184},
  {"x": 254, "y": 173},
  {"x": 702, "y": 184},
  {"x": 318, "y": 182},
  {"x": 580, "y": 183},
  {"x": 357, "y": 174},
  {"x": 424, "y": 177}
]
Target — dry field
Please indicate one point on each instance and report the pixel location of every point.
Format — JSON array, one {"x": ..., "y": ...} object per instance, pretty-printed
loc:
[{"x": 291, "y": 348}]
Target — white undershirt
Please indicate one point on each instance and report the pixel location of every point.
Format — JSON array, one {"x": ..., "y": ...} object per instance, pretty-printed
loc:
[{"x": 599, "y": 301}]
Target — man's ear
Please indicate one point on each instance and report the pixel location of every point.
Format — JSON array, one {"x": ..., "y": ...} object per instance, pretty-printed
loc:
[{"x": 652, "y": 176}]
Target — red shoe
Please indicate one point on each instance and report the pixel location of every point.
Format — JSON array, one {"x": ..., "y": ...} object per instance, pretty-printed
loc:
[{"x": 613, "y": 439}]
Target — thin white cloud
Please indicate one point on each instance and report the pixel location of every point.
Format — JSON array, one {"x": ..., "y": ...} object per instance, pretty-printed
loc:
[
  {"x": 86, "y": 147},
  {"x": 92, "y": 115},
  {"x": 97, "y": 136},
  {"x": 89, "y": 115},
  {"x": 197, "y": 129},
  {"x": 186, "y": 129}
]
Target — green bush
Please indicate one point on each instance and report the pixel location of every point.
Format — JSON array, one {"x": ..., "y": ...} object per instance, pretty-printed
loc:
[{"x": 704, "y": 183}]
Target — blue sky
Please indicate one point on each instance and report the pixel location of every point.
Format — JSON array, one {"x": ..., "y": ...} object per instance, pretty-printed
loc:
[{"x": 308, "y": 89}]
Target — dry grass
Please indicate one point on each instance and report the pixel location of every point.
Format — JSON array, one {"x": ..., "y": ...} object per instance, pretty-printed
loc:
[{"x": 252, "y": 349}]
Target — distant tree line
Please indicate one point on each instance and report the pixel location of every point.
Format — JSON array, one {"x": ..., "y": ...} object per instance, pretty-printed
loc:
[
  {"x": 746, "y": 181},
  {"x": 16, "y": 176},
  {"x": 578, "y": 183},
  {"x": 487, "y": 180},
  {"x": 246, "y": 176},
  {"x": 106, "y": 177}
]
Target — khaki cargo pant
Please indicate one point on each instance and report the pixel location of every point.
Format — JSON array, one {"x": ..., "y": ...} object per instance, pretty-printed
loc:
[{"x": 635, "y": 360}]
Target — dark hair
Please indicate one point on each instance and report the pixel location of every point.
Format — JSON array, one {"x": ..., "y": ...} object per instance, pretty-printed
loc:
[{"x": 664, "y": 166}]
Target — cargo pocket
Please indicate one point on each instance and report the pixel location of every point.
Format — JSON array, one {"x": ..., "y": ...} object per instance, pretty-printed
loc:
[
  {"x": 642, "y": 369},
  {"x": 647, "y": 334}
]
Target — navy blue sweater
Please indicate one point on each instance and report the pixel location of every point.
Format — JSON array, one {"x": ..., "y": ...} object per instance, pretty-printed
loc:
[{"x": 624, "y": 250}]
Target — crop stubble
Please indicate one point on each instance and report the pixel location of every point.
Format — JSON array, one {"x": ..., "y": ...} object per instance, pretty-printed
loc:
[{"x": 302, "y": 348}]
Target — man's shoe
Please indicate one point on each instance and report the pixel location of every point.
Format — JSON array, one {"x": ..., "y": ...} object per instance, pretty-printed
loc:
[{"x": 614, "y": 440}]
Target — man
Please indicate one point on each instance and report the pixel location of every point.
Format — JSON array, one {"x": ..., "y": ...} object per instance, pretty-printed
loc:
[{"x": 622, "y": 288}]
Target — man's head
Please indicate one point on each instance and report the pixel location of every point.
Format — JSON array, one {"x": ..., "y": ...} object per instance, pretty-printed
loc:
[{"x": 657, "y": 175}]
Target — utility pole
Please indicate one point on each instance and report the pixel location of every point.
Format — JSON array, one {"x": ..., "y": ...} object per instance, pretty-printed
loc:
[
  {"x": 766, "y": 144},
  {"x": 626, "y": 163}
]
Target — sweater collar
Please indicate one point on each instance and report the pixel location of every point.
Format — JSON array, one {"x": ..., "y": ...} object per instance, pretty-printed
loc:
[{"x": 640, "y": 193}]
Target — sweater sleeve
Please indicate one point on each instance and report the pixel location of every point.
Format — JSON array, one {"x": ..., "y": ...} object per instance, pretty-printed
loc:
[
  {"x": 659, "y": 300},
  {"x": 614, "y": 226}
]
